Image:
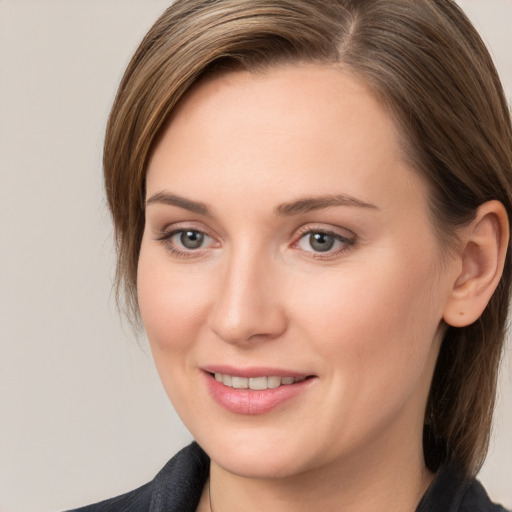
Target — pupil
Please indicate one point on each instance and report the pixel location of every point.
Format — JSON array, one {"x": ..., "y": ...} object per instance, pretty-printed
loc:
[
  {"x": 191, "y": 239},
  {"x": 321, "y": 242}
]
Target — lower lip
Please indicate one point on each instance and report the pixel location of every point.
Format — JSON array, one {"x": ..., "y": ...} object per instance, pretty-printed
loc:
[{"x": 252, "y": 402}]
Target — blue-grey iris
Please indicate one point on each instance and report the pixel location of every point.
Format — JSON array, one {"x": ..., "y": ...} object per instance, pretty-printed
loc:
[
  {"x": 191, "y": 239},
  {"x": 321, "y": 242}
]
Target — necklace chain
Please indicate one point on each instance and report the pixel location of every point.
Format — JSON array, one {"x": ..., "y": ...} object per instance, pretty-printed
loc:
[{"x": 210, "y": 495}]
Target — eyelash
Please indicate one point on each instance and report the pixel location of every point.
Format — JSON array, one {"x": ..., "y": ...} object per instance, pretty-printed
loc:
[
  {"x": 166, "y": 239},
  {"x": 308, "y": 230}
]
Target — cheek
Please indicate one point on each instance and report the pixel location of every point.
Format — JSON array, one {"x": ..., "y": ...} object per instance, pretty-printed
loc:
[
  {"x": 377, "y": 327},
  {"x": 172, "y": 306},
  {"x": 170, "y": 302}
]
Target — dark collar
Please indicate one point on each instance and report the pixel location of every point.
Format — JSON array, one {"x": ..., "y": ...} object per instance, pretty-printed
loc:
[
  {"x": 445, "y": 492},
  {"x": 188, "y": 471}
]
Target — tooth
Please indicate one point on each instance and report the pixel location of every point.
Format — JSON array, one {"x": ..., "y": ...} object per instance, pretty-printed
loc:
[
  {"x": 258, "y": 383},
  {"x": 273, "y": 382},
  {"x": 240, "y": 382}
]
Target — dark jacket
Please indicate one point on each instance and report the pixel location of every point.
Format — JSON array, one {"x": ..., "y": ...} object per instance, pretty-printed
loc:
[{"x": 178, "y": 487}]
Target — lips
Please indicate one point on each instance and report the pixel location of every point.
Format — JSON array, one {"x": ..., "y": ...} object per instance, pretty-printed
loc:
[{"x": 256, "y": 390}]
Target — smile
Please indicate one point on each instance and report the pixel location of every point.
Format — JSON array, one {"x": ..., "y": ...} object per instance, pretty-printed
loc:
[
  {"x": 256, "y": 383},
  {"x": 255, "y": 390}
]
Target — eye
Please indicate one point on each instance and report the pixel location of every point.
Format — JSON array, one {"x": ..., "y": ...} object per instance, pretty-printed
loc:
[
  {"x": 186, "y": 242},
  {"x": 322, "y": 242}
]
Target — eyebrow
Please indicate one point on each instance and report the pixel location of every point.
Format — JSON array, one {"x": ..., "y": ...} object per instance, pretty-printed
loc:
[
  {"x": 181, "y": 202},
  {"x": 308, "y": 204},
  {"x": 297, "y": 207}
]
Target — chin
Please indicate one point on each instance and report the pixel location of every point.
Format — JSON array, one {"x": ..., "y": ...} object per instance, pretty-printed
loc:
[
  {"x": 256, "y": 466},
  {"x": 259, "y": 455}
]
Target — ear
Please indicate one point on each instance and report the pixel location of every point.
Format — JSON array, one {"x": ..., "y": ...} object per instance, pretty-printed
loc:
[{"x": 481, "y": 262}]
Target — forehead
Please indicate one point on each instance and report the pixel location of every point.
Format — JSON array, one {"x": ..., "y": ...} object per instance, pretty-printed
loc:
[
  {"x": 296, "y": 126},
  {"x": 305, "y": 97}
]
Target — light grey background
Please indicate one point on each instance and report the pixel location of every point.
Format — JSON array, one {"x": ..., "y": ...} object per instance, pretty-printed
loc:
[{"x": 82, "y": 413}]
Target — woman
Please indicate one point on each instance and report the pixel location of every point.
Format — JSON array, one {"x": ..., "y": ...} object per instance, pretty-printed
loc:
[{"x": 311, "y": 201}]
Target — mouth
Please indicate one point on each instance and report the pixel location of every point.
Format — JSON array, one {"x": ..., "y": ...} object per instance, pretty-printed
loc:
[
  {"x": 256, "y": 383},
  {"x": 255, "y": 391}
]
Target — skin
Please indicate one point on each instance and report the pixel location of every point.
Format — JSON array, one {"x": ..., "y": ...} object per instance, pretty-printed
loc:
[{"x": 365, "y": 318}]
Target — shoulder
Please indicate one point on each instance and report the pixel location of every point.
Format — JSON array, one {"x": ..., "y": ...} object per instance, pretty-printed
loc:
[
  {"x": 177, "y": 487},
  {"x": 475, "y": 499},
  {"x": 452, "y": 491},
  {"x": 136, "y": 500}
]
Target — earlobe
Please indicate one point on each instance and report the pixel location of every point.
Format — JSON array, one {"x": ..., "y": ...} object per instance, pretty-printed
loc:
[{"x": 482, "y": 258}]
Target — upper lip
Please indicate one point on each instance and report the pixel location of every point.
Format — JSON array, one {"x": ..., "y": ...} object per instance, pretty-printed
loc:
[{"x": 253, "y": 371}]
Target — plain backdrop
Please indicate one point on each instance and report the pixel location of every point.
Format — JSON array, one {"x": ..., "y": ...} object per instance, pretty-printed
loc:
[{"x": 82, "y": 413}]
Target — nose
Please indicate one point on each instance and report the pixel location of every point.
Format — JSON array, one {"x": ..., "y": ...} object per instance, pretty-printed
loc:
[{"x": 247, "y": 306}]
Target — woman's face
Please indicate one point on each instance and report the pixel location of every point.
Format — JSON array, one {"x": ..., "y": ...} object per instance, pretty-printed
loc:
[{"x": 288, "y": 248}]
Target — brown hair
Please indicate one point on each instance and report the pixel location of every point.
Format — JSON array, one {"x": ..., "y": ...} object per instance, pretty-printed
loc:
[{"x": 427, "y": 63}]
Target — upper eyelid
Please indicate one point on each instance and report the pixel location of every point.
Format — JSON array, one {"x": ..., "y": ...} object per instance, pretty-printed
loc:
[
  {"x": 343, "y": 239},
  {"x": 331, "y": 230},
  {"x": 169, "y": 233},
  {"x": 175, "y": 227}
]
